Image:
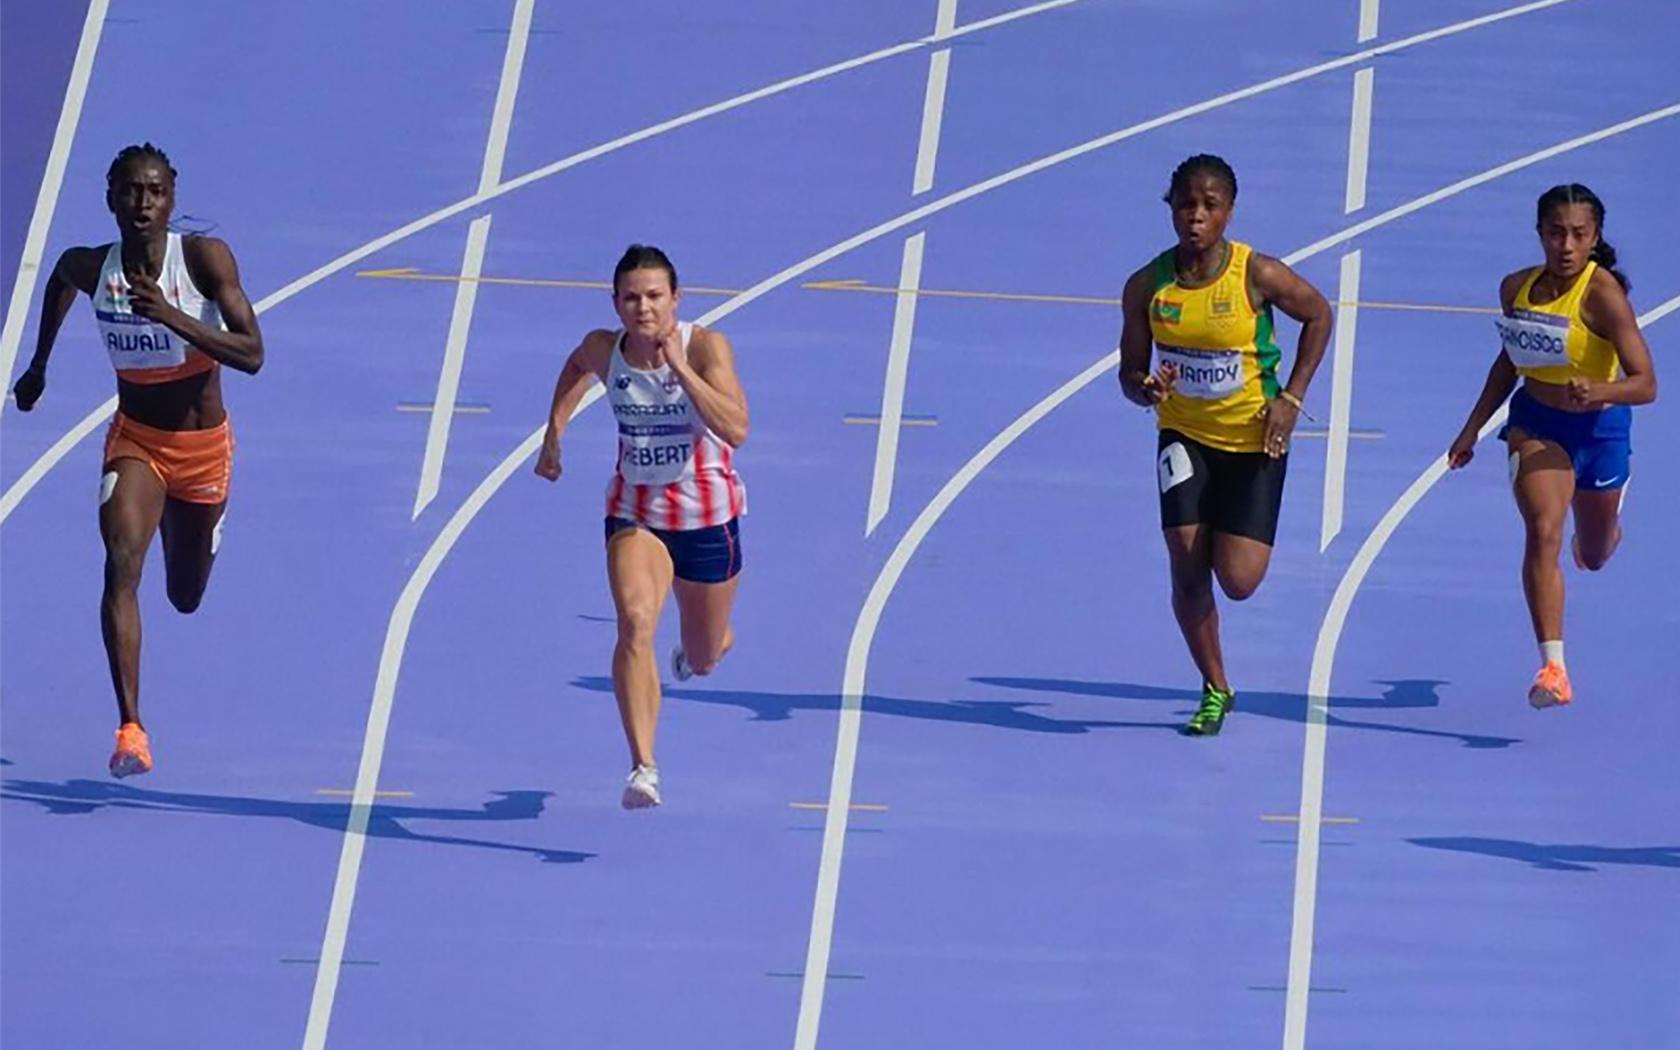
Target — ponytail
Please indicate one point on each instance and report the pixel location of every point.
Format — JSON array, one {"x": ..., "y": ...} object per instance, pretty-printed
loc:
[{"x": 1605, "y": 256}]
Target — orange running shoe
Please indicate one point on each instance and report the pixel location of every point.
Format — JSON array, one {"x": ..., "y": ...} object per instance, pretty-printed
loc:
[
  {"x": 1551, "y": 687},
  {"x": 134, "y": 751}
]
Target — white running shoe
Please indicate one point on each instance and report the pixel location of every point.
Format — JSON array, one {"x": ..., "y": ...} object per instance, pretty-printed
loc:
[
  {"x": 679, "y": 665},
  {"x": 642, "y": 789}
]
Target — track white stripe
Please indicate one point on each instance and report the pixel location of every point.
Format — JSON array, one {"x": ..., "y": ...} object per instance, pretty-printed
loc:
[
  {"x": 89, "y": 423},
  {"x": 472, "y": 261},
  {"x": 507, "y": 92},
  {"x": 933, "y": 115},
  {"x": 1318, "y": 690},
  {"x": 1341, "y": 399},
  {"x": 379, "y": 720},
  {"x": 41, "y": 466},
  {"x": 892, "y": 390},
  {"x": 1359, "y": 139},
  {"x": 909, "y": 281},
  {"x": 1367, "y": 19},
  {"x": 46, "y": 199},
  {"x": 852, "y": 689},
  {"x": 454, "y": 359}
]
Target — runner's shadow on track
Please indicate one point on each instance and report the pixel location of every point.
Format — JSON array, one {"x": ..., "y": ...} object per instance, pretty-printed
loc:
[
  {"x": 1557, "y": 857},
  {"x": 385, "y": 821},
  {"x": 779, "y": 707},
  {"x": 1401, "y": 694}
]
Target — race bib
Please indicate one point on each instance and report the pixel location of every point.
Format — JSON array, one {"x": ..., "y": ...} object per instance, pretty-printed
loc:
[
  {"x": 651, "y": 453},
  {"x": 1534, "y": 340},
  {"x": 136, "y": 343},
  {"x": 1210, "y": 375},
  {"x": 1174, "y": 467}
]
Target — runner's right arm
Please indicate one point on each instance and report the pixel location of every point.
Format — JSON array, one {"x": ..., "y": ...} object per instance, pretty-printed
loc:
[
  {"x": 77, "y": 270},
  {"x": 588, "y": 362}
]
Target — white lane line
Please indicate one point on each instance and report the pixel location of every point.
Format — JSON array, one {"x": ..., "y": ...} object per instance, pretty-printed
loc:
[
  {"x": 507, "y": 92},
  {"x": 46, "y": 199},
  {"x": 910, "y": 279},
  {"x": 89, "y": 423},
  {"x": 933, "y": 101},
  {"x": 1359, "y": 138},
  {"x": 851, "y": 697},
  {"x": 1318, "y": 690},
  {"x": 48, "y": 460},
  {"x": 933, "y": 115},
  {"x": 945, "y": 20},
  {"x": 1341, "y": 400},
  {"x": 892, "y": 390},
  {"x": 378, "y": 723},
  {"x": 454, "y": 359},
  {"x": 1367, "y": 19},
  {"x": 472, "y": 260},
  {"x": 403, "y": 613}
]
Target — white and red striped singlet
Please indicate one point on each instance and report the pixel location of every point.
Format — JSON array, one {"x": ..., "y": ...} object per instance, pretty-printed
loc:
[{"x": 673, "y": 472}]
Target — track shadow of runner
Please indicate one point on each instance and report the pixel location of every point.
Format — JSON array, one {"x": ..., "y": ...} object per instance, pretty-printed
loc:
[
  {"x": 779, "y": 707},
  {"x": 384, "y": 821},
  {"x": 1559, "y": 857},
  {"x": 1401, "y": 694},
  {"x": 1017, "y": 714}
]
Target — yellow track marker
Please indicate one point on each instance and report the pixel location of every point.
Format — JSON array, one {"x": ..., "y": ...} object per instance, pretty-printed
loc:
[{"x": 410, "y": 273}]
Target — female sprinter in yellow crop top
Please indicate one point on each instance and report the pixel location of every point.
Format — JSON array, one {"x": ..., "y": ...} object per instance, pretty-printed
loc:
[
  {"x": 1569, "y": 331},
  {"x": 1205, "y": 306},
  {"x": 170, "y": 312}
]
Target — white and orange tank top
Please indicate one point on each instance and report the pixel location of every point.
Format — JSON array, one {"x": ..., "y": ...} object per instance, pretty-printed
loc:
[
  {"x": 673, "y": 472},
  {"x": 141, "y": 350},
  {"x": 1548, "y": 342}
]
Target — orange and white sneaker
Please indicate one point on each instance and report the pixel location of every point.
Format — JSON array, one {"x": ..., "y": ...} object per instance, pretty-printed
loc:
[
  {"x": 134, "y": 751},
  {"x": 1551, "y": 687}
]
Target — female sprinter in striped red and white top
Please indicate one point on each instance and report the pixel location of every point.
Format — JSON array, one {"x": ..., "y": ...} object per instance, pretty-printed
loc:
[{"x": 674, "y": 498}]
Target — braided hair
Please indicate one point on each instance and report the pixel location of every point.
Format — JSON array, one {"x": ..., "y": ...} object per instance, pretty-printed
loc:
[
  {"x": 128, "y": 153},
  {"x": 1201, "y": 163}
]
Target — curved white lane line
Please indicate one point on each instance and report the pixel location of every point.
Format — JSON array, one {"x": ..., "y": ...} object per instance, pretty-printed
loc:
[
  {"x": 1318, "y": 691},
  {"x": 379, "y": 720},
  {"x": 60, "y": 448},
  {"x": 51, "y": 457}
]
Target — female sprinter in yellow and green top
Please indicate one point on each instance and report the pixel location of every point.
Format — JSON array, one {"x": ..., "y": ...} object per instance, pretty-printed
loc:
[
  {"x": 1570, "y": 333},
  {"x": 1205, "y": 306}
]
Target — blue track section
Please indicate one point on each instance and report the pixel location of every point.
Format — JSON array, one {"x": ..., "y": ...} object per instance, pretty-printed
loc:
[{"x": 1039, "y": 857}]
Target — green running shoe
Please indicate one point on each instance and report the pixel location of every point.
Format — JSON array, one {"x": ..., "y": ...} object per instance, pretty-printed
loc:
[{"x": 1210, "y": 717}]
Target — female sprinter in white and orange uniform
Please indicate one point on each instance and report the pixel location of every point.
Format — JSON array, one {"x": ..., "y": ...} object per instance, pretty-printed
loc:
[
  {"x": 1204, "y": 307},
  {"x": 1569, "y": 331},
  {"x": 674, "y": 500},
  {"x": 170, "y": 312}
]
